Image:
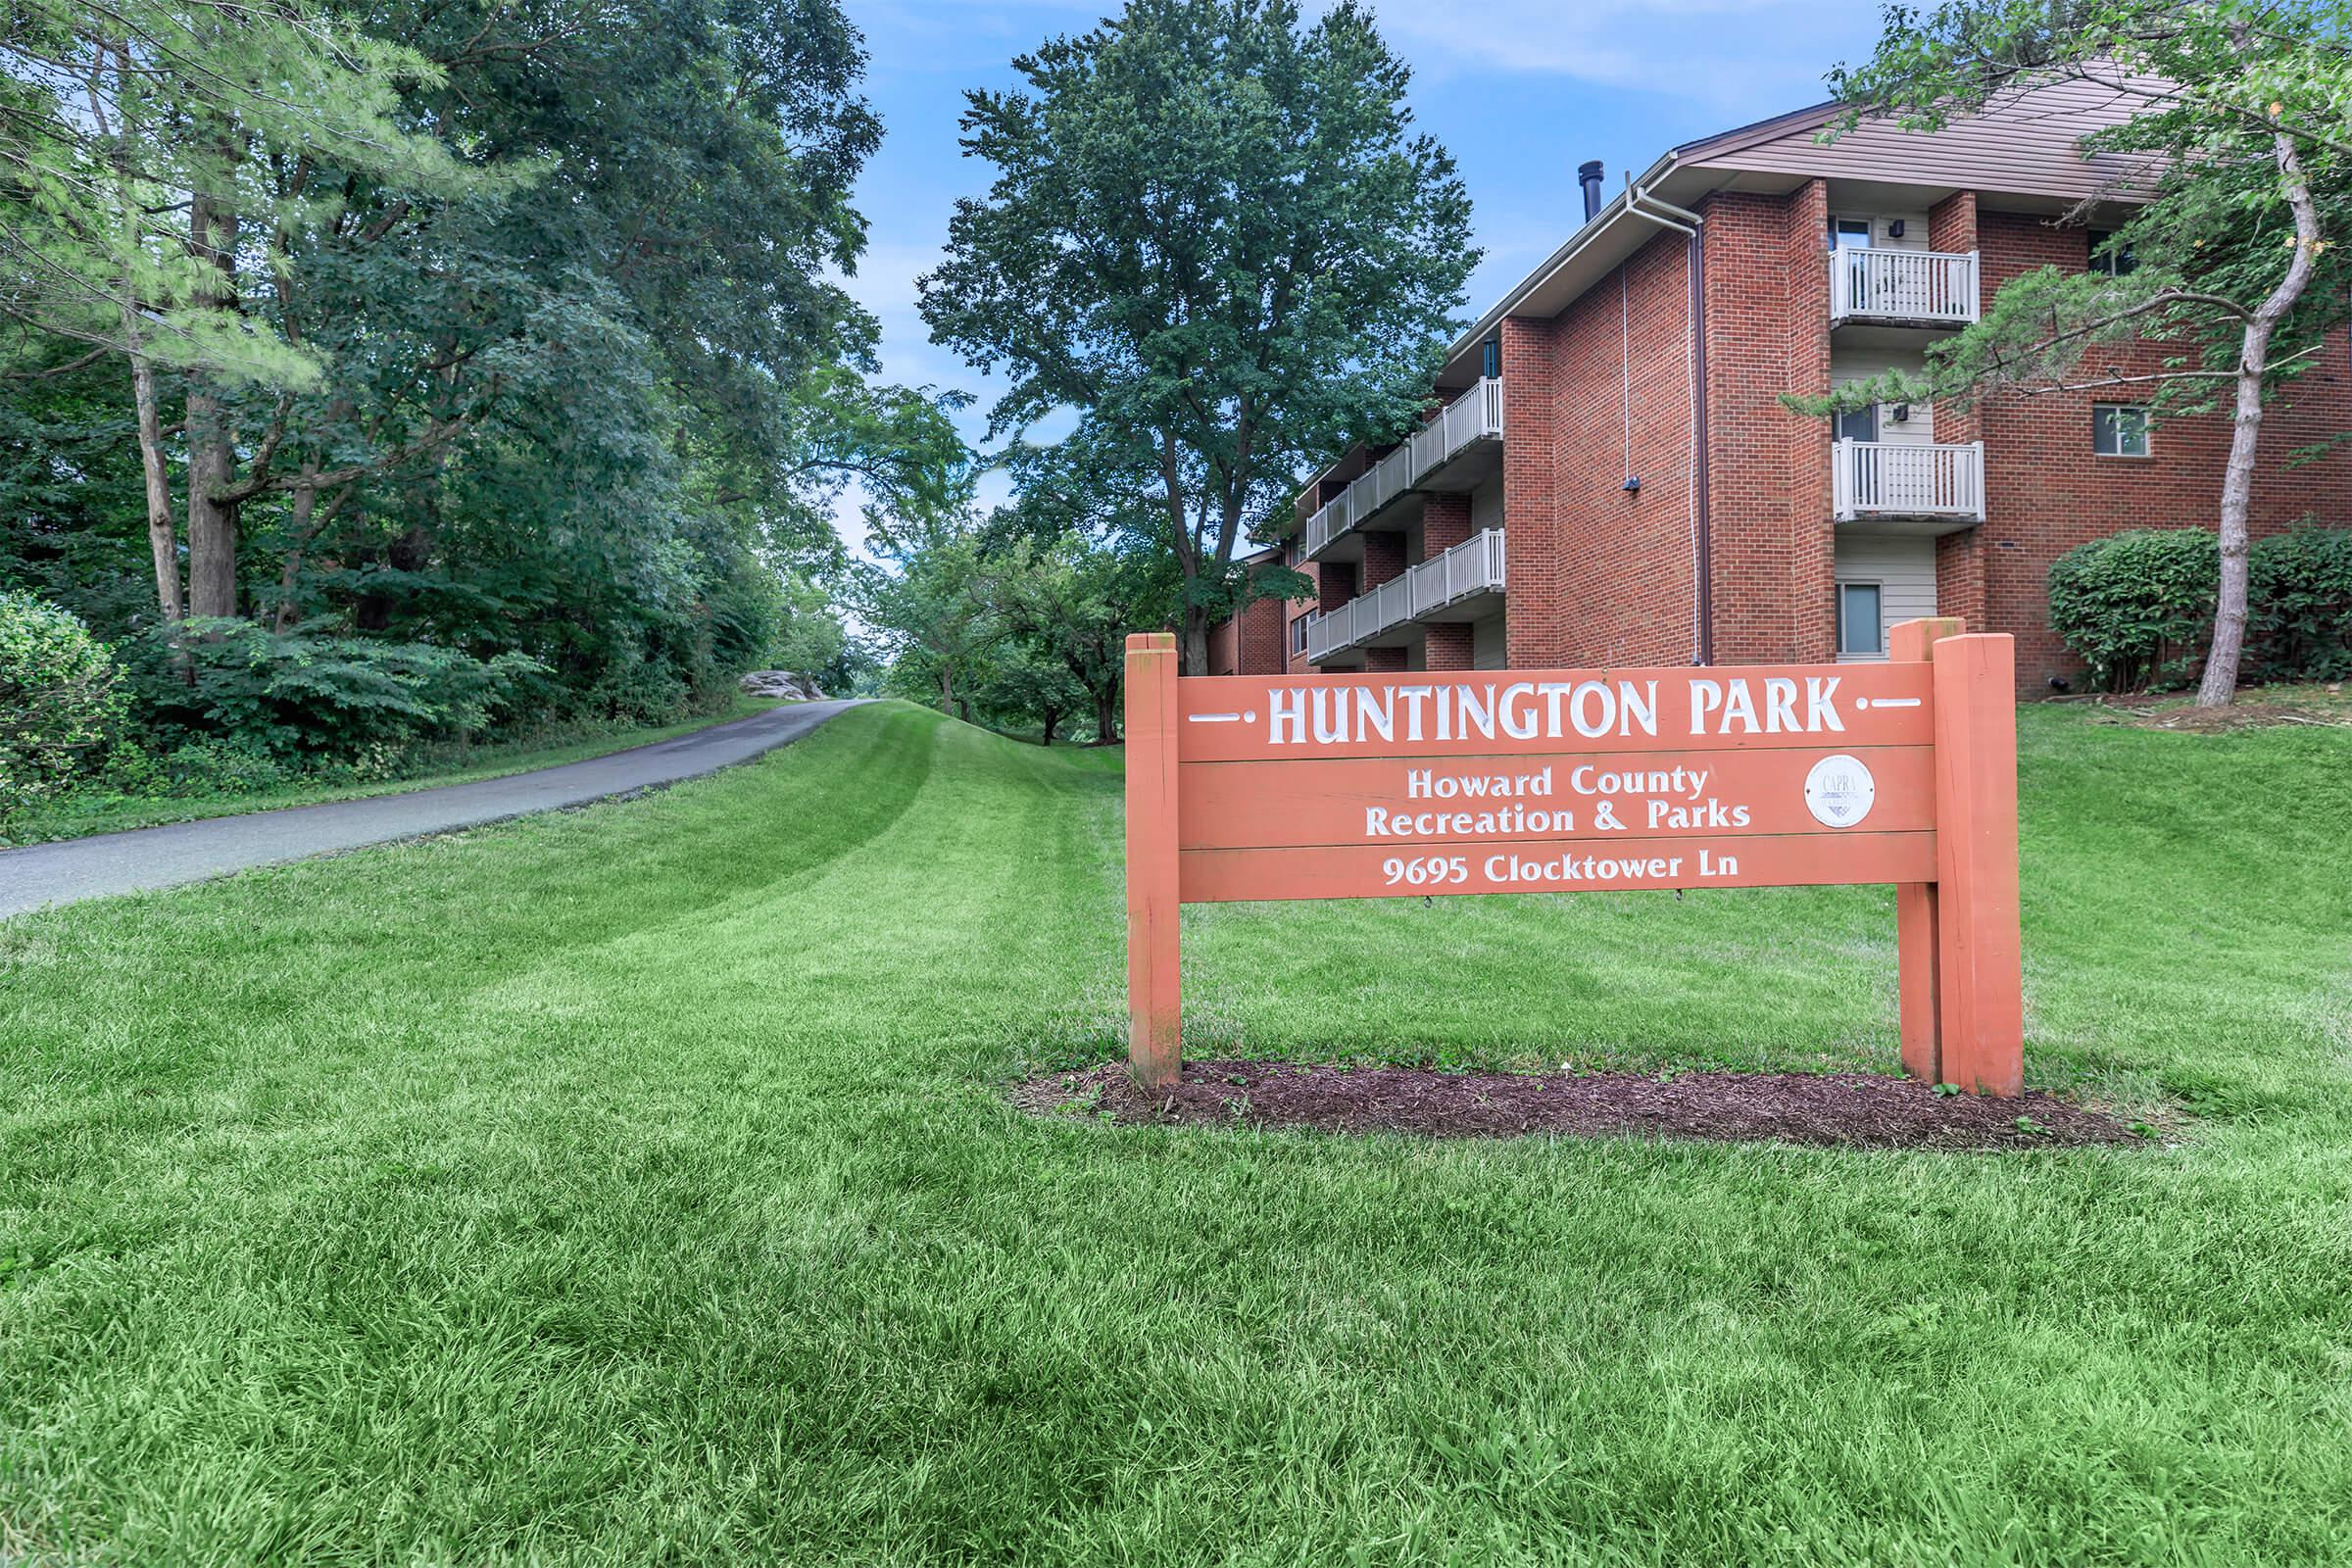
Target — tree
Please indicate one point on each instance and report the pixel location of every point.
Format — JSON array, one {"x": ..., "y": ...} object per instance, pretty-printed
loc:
[
  {"x": 131, "y": 137},
  {"x": 1213, "y": 235},
  {"x": 930, "y": 599},
  {"x": 1072, "y": 604},
  {"x": 2240, "y": 123}
]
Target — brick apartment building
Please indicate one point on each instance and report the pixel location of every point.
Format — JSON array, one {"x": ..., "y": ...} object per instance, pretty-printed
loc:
[{"x": 1617, "y": 419}]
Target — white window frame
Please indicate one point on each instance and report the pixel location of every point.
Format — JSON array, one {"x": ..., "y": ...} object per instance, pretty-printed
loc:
[
  {"x": 2148, "y": 439},
  {"x": 1876, "y": 586},
  {"x": 1298, "y": 634}
]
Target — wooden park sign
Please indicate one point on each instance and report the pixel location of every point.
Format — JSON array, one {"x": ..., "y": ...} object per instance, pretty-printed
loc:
[{"x": 1555, "y": 781}]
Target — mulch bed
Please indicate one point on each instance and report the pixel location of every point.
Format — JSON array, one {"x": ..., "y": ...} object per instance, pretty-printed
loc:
[
  {"x": 2316, "y": 706},
  {"x": 1856, "y": 1111}
]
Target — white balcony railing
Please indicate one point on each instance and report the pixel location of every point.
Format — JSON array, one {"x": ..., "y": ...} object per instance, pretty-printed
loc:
[
  {"x": 1472, "y": 567},
  {"x": 1906, "y": 479},
  {"x": 1475, "y": 416},
  {"x": 1895, "y": 285}
]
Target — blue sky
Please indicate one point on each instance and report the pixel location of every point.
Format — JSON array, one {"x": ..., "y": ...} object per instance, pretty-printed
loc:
[{"x": 1520, "y": 91}]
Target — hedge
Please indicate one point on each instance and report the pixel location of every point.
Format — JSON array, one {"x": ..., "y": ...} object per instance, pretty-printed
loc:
[{"x": 2137, "y": 608}]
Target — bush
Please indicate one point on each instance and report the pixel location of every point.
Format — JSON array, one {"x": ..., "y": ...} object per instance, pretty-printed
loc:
[
  {"x": 61, "y": 701},
  {"x": 305, "y": 699},
  {"x": 2299, "y": 606},
  {"x": 2138, "y": 606}
]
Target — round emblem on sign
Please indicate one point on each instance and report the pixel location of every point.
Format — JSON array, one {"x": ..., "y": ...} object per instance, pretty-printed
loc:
[{"x": 1839, "y": 789}]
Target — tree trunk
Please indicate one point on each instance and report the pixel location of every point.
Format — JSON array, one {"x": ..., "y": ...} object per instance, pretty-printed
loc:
[
  {"x": 1052, "y": 721},
  {"x": 1106, "y": 716},
  {"x": 947, "y": 688},
  {"x": 1193, "y": 645},
  {"x": 289, "y": 577},
  {"x": 2228, "y": 645},
  {"x": 163, "y": 539},
  {"x": 212, "y": 453},
  {"x": 163, "y": 536}
]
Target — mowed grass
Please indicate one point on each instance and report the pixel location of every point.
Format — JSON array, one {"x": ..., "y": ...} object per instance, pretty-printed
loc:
[{"x": 635, "y": 1185}]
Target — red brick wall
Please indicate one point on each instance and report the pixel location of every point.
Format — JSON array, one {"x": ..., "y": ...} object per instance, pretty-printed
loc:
[
  {"x": 1384, "y": 558},
  {"x": 1535, "y": 625},
  {"x": 1600, "y": 574},
  {"x": 1224, "y": 649},
  {"x": 1449, "y": 646},
  {"x": 2045, "y": 493},
  {"x": 1444, "y": 523},
  {"x": 1767, "y": 333}
]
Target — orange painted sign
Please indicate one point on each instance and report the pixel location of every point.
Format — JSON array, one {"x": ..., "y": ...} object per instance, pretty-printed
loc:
[{"x": 1553, "y": 781}]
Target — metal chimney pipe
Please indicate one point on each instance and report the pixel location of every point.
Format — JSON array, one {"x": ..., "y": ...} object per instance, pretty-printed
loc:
[{"x": 1587, "y": 174}]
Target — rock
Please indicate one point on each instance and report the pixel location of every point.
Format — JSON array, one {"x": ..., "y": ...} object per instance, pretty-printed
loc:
[{"x": 782, "y": 683}]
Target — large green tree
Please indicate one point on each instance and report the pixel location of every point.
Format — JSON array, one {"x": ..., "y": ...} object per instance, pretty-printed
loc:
[
  {"x": 2237, "y": 115},
  {"x": 574, "y": 374},
  {"x": 134, "y": 136},
  {"x": 1214, "y": 235}
]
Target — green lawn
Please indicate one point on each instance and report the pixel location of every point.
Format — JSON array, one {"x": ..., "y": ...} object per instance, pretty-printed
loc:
[
  {"x": 84, "y": 813},
  {"x": 634, "y": 1186}
]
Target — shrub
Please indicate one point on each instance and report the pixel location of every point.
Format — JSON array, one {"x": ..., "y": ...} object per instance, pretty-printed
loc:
[
  {"x": 2138, "y": 606},
  {"x": 61, "y": 701},
  {"x": 2299, "y": 606},
  {"x": 305, "y": 699}
]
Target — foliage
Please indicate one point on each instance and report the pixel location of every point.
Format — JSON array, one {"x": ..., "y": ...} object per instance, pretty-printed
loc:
[
  {"x": 1074, "y": 603},
  {"x": 2302, "y": 596},
  {"x": 1023, "y": 690},
  {"x": 1215, "y": 235},
  {"x": 61, "y": 701},
  {"x": 2236, "y": 128},
  {"x": 931, "y": 604},
  {"x": 312, "y": 694},
  {"x": 550, "y": 354},
  {"x": 2134, "y": 606}
]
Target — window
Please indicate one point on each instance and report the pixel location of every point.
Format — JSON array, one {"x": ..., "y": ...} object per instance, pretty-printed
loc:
[
  {"x": 1491, "y": 358},
  {"x": 2119, "y": 430},
  {"x": 1859, "y": 424},
  {"x": 1298, "y": 634},
  {"x": 1859, "y": 629},
  {"x": 1849, "y": 233},
  {"x": 2109, "y": 258}
]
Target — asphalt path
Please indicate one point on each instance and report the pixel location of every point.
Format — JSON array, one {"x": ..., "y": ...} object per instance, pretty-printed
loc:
[{"x": 43, "y": 874}]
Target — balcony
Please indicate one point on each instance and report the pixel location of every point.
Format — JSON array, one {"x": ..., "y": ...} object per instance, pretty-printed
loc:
[
  {"x": 1440, "y": 455},
  {"x": 1907, "y": 480},
  {"x": 1454, "y": 586},
  {"x": 1902, "y": 288}
]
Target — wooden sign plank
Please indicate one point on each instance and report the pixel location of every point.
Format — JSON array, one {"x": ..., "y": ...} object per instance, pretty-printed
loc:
[
  {"x": 1233, "y": 719},
  {"x": 1398, "y": 785},
  {"x": 1218, "y": 876},
  {"x": 1402, "y": 801}
]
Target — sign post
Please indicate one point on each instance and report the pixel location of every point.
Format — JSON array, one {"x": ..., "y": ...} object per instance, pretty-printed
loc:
[{"x": 1549, "y": 781}]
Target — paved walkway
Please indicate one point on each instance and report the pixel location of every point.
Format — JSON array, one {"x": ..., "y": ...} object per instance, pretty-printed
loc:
[{"x": 191, "y": 852}]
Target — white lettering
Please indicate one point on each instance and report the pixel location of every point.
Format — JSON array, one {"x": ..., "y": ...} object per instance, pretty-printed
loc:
[
  {"x": 1287, "y": 707},
  {"x": 1476, "y": 710},
  {"x": 1821, "y": 708},
  {"x": 1519, "y": 710},
  {"x": 1706, "y": 697},
  {"x": 1635, "y": 707},
  {"x": 1382, "y": 717},
  {"x": 1414, "y": 697}
]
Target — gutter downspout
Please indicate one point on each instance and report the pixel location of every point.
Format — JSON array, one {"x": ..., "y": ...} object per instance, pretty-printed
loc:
[{"x": 1691, "y": 223}]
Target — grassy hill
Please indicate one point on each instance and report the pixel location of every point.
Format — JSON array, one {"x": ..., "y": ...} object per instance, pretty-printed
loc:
[{"x": 635, "y": 1184}]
